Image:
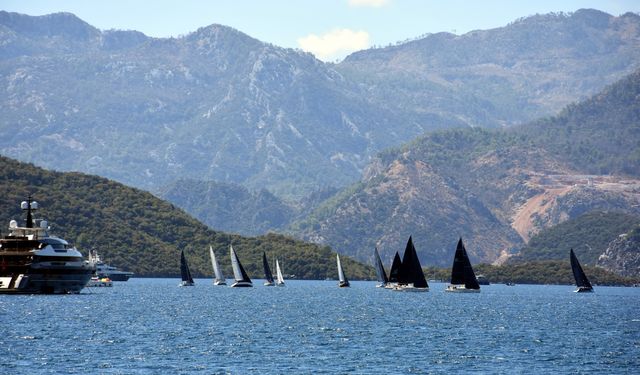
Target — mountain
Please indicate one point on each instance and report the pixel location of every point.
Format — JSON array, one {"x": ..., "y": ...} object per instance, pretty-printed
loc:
[
  {"x": 134, "y": 230},
  {"x": 496, "y": 189},
  {"x": 534, "y": 66},
  {"x": 230, "y": 207},
  {"x": 218, "y": 105},
  {"x": 622, "y": 255},
  {"x": 589, "y": 235}
]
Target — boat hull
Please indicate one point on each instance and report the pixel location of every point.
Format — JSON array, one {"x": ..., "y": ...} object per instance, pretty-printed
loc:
[
  {"x": 584, "y": 290},
  {"x": 409, "y": 288},
  {"x": 116, "y": 276},
  {"x": 219, "y": 283},
  {"x": 46, "y": 281},
  {"x": 460, "y": 289},
  {"x": 186, "y": 283},
  {"x": 268, "y": 283},
  {"x": 242, "y": 284}
]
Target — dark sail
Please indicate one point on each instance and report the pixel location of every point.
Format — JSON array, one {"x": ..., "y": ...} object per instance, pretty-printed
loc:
[
  {"x": 184, "y": 269},
  {"x": 411, "y": 270},
  {"x": 462, "y": 272},
  {"x": 380, "y": 272},
  {"x": 395, "y": 268},
  {"x": 267, "y": 271},
  {"x": 578, "y": 273}
]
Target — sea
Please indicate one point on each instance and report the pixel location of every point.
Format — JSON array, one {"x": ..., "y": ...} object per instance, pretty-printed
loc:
[{"x": 152, "y": 326}]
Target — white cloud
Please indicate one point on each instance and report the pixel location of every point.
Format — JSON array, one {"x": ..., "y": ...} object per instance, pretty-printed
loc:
[
  {"x": 334, "y": 44},
  {"x": 368, "y": 3}
]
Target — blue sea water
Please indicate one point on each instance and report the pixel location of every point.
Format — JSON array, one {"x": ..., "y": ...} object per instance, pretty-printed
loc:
[{"x": 151, "y": 326}]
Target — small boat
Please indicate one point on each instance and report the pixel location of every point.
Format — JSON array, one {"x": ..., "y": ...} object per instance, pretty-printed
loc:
[
  {"x": 584, "y": 286},
  {"x": 463, "y": 279},
  {"x": 342, "y": 279},
  {"x": 242, "y": 280},
  {"x": 410, "y": 276},
  {"x": 509, "y": 283},
  {"x": 279, "y": 278},
  {"x": 96, "y": 281},
  {"x": 185, "y": 273},
  {"x": 380, "y": 272},
  {"x": 268, "y": 276},
  {"x": 393, "y": 272},
  {"x": 104, "y": 270},
  {"x": 219, "y": 277}
]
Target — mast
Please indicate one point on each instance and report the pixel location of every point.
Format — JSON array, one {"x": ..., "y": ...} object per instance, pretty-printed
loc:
[
  {"x": 380, "y": 272},
  {"x": 578, "y": 273},
  {"x": 461, "y": 271}
]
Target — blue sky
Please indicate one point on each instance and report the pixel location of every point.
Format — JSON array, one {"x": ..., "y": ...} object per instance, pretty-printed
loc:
[{"x": 330, "y": 29}]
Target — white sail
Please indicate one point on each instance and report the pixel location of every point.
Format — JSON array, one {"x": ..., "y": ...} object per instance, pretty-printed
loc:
[
  {"x": 279, "y": 278},
  {"x": 340, "y": 272},
  {"x": 237, "y": 273},
  {"x": 219, "y": 277},
  {"x": 343, "y": 282}
]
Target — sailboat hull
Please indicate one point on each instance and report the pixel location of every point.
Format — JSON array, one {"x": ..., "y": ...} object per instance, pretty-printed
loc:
[
  {"x": 409, "y": 288},
  {"x": 460, "y": 289},
  {"x": 186, "y": 283},
  {"x": 279, "y": 284},
  {"x": 219, "y": 283},
  {"x": 584, "y": 290},
  {"x": 241, "y": 284},
  {"x": 343, "y": 284},
  {"x": 268, "y": 283}
]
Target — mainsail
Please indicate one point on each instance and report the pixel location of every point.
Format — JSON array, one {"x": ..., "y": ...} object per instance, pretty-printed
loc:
[
  {"x": 395, "y": 268},
  {"x": 380, "y": 272},
  {"x": 219, "y": 277},
  {"x": 343, "y": 282},
  {"x": 462, "y": 272},
  {"x": 268, "y": 276},
  {"x": 279, "y": 278},
  {"x": 581, "y": 278},
  {"x": 184, "y": 270},
  {"x": 411, "y": 270},
  {"x": 239, "y": 274}
]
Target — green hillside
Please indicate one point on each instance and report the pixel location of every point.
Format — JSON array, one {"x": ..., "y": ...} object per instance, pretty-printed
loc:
[
  {"x": 588, "y": 235},
  {"x": 134, "y": 230}
]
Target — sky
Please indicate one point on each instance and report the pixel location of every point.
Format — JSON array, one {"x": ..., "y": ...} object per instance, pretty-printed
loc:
[{"x": 330, "y": 29}]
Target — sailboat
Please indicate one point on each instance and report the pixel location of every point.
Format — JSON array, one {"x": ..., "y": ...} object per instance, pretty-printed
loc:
[
  {"x": 219, "y": 278},
  {"x": 268, "y": 276},
  {"x": 279, "y": 278},
  {"x": 582, "y": 282},
  {"x": 463, "y": 279},
  {"x": 410, "y": 276},
  {"x": 393, "y": 272},
  {"x": 380, "y": 272},
  {"x": 187, "y": 280},
  {"x": 239, "y": 274},
  {"x": 342, "y": 279}
]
